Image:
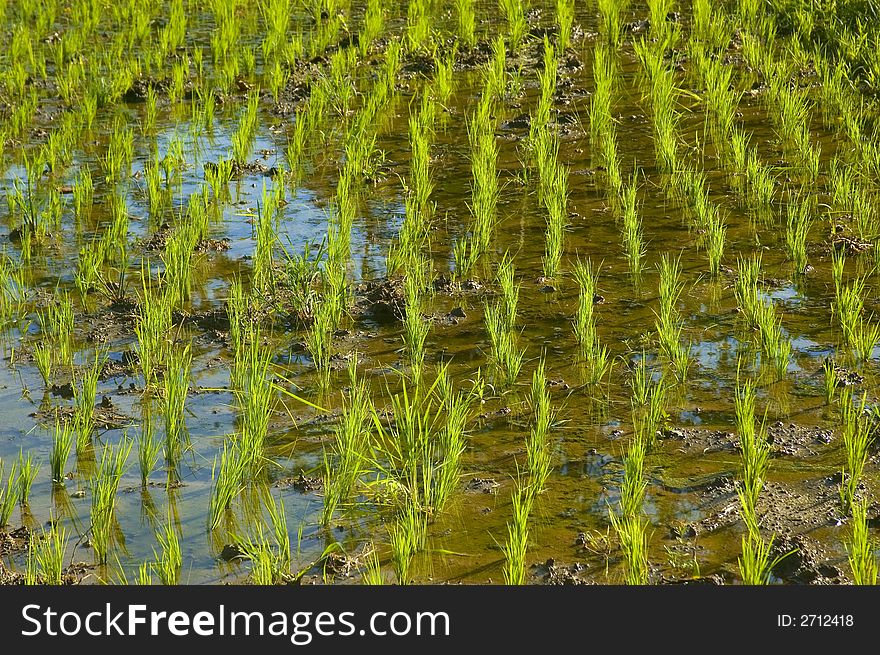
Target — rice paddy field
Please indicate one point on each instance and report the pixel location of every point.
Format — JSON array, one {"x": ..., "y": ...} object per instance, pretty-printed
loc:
[{"x": 385, "y": 292}]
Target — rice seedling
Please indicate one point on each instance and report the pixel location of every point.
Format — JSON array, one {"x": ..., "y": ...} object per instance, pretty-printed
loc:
[
  {"x": 104, "y": 488},
  {"x": 149, "y": 447},
  {"x": 170, "y": 559},
  {"x": 175, "y": 386},
  {"x": 798, "y": 222},
  {"x": 829, "y": 379},
  {"x": 516, "y": 547},
  {"x": 858, "y": 435},
  {"x": 564, "y": 19},
  {"x": 754, "y": 448},
  {"x": 585, "y": 320},
  {"x": 861, "y": 547},
  {"x": 466, "y": 21},
  {"x": 517, "y": 27},
  {"x": 45, "y": 559},
  {"x": 62, "y": 443},
  {"x": 715, "y": 236},
  {"x": 611, "y": 25},
  {"x": 372, "y": 574},
  {"x": 755, "y": 563},
  {"x": 537, "y": 445},
  {"x": 228, "y": 478},
  {"x": 8, "y": 494},
  {"x": 407, "y": 537},
  {"x": 347, "y": 461},
  {"x": 319, "y": 341},
  {"x": 28, "y": 470},
  {"x": 633, "y": 244}
]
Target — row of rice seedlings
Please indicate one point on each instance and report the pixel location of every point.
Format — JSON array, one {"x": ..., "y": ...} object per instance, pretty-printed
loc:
[
  {"x": 500, "y": 320},
  {"x": 45, "y": 557},
  {"x": 111, "y": 468},
  {"x": 858, "y": 435},
  {"x": 755, "y": 564},
  {"x": 760, "y": 315},
  {"x": 669, "y": 323},
  {"x": 595, "y": 355},
  {"x": 858, "y": 334}
]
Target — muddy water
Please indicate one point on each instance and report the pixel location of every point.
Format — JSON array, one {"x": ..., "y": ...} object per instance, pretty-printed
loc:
[{"x": 690, "y": 500}]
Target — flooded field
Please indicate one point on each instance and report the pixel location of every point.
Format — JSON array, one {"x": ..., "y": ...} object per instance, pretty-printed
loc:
[{"x": 432, "y": 292}]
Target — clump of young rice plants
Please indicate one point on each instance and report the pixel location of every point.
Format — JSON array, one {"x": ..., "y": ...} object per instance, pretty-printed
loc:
[
  {"x": 755, "y": 564},
  {"x": 28, "y": 470},
  {"x": 761, "y": 316},
  {"x": 798, "y": 222},
  {"x": 149, "y": 447},
  {"x": 415, "y": 328},
  {"x": 347, "y": 461},
  {"x": 45, "y": 559},
  {"x": 594, "y": 354},
  {"x": 630, "y": 525},
  {"x": 538, "y": 463},
  {"x": 8, "y": 494},
  {"x": 152, "y": 329},
  {"x": 451, "y": 442},
  {"x": 175, "y": 386},
  {"x": 631, "y": 231},
  {"x": 319, "y": 342},
  {"x": 669, "y": 323},
  {"x": 564, "y": 21},
  {"x": 62, "y": 443},
  {"x": 663, "y": 103},
  {"x": 104, "y": 488},
  {"x": 516, "y": 547},
  {"x": 861, "y": 548},
  {"x": 466, "y": 21},
  {"x": 254, "y": 395},
  {"x": 857, "y": 333},
  {"x": 271, "y": 561},
  {"x": 484, "y": 156},
  {"x": 170, "y": 559},
  {"x": 858, "y": 435},
  {"x": 517, "y": 27},
  {"x": 500, "y": 319},
  {"x": 85, "y": 394}
]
